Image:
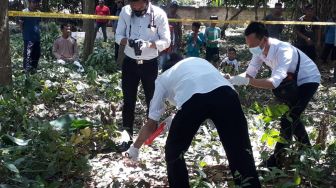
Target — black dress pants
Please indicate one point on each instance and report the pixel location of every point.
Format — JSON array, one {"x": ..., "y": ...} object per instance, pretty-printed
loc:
[
  {"x": 295, "y": 126},
  {"x": 132, "y": 73},
  {"x": 223, "y": 107}
]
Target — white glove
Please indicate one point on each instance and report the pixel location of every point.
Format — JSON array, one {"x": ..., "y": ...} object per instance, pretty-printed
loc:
[
  {"x": 239, "y": 80},
  {"x": 60, "y": 61},
  {"x": 145, "y": 44},
  {"x": 132, "y": 153}
]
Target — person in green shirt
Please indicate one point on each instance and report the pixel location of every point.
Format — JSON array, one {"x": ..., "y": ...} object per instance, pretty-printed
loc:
[{"x": 212, "y": 39}]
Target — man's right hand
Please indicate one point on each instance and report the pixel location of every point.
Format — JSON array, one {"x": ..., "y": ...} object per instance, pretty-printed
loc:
[
  {"x": 132, "y": 153},
  {"x": 124, "y": 41}
]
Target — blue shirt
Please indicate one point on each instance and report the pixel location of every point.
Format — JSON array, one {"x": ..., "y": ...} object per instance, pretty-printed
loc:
[
  {"x": 31, "y": 28},
  {"x": 194, "y": 46},
  {"x": 330, "y": 33}
]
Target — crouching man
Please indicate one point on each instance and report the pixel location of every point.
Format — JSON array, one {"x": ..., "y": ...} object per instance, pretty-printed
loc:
[
  {"x": 65, "y": 48},
  {"x": 199, "y": 92}
]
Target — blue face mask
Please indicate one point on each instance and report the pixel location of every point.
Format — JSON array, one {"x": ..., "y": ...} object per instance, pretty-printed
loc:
[{"x": 256, "y": 50}]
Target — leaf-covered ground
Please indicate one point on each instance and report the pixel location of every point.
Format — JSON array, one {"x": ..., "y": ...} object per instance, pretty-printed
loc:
[{"x": 59, "y": 128}]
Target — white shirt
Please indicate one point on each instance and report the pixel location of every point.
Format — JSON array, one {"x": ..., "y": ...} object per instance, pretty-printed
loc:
[
  {"x": 282, "y": 57},
  {"x": 159, "y": 34},
  {"x": 179, "y": 83}
]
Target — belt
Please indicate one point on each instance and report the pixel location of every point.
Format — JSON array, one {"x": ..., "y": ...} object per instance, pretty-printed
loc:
[{"x": 139, "y": 61}]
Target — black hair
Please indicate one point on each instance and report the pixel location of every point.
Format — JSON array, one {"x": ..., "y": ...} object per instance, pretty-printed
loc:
[
  {"x": 196, "y": 24},
  {"x": 173, "y": 59},
  {"x": 231, "y": 49},
  {"x": 278, "y": 5},
  {"x": 64, "y": 25},
  {"x": 258, "y": 28},
  {"x": 173, "y": 4}
]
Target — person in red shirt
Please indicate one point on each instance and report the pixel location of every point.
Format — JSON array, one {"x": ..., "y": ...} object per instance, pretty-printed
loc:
[{"x": 102, "y": 10}]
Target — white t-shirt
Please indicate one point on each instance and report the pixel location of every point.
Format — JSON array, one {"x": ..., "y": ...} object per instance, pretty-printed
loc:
[
  {"x": 234, "y": 62},
  {"x": 282, "y": 57},
  {"x": 179, "y": 83}
]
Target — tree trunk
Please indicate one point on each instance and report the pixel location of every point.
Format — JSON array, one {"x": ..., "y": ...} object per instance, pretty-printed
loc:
[
  {"x": 88, "y": 26},
  {"x": 324, "y": 8},
  {"x": 5, "y": 62},
  {"x": 256, "y": 6}
]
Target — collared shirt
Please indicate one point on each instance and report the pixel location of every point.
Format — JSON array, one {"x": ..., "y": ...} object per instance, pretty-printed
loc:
[
  {"x": 179, "y": 83},
  {"x": 133, "y": 27},
  {"x": 282, "y": 57},
  {"x": 102, "y": 11},
  {"x": 65, "y": 48},
  {"x": 31, "y": 28}
]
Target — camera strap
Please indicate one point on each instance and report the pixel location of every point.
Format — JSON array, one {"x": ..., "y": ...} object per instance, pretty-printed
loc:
[{"x": 150, "y": 25}]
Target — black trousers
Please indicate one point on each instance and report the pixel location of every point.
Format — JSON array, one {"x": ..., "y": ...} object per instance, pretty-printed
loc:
[
  {"x": 31, "y": 55},
  {"x": 223, "y": 107},
  {"x": 326, "y": 51},
  {"x": 103, "y": 27},
  {"x": 212, "y": 55},
  {"x": 131, "y": 75},
  {"x": 309, "y": 50},
  {"x": 296, "y": 127}
]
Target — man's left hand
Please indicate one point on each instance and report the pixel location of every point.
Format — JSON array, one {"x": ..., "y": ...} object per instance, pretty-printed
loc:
[
  {"x": 144, "y": 44},
  {"x": 239, "y": 80}
]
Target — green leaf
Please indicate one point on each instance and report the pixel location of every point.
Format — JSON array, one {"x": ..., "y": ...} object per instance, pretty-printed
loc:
[
  {"x": 202, "y": 164},
  {"x": 267, "y": 119},
  {"x": 63, "y": 122},
  {"x": 264, "y": 137},
  {"x": 17, "y": 141},
  {"x": 270, "y": 142},
  {"x": 297, "y": 179},
  {"x": 80, "y": 123},
  {"x": 11, "y": 167}
]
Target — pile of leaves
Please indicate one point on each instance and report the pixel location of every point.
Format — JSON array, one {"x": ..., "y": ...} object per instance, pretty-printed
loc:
[{"x": 53, "y": 122}]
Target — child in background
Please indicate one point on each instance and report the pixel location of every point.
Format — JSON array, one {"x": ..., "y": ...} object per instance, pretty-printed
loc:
[
  {"x": 195, "y": 41},
  {"x": 231, "y": 60},
  {"x": 212, "y": 39}
]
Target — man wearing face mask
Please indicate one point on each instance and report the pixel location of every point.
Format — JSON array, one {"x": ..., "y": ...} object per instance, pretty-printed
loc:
[
  {"x": 143, "y": 29},
  {"x": 284, "y": 60}
]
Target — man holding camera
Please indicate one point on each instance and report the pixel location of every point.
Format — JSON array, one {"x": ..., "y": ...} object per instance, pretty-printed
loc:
[{"x": 143, "y": 29}]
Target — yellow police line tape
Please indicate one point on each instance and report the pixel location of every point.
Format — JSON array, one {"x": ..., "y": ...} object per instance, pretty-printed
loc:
[{"x": 88, "y": 16}]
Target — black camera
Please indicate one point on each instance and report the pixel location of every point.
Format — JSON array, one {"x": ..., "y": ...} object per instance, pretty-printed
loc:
[{"x": 136, "y": 45}]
